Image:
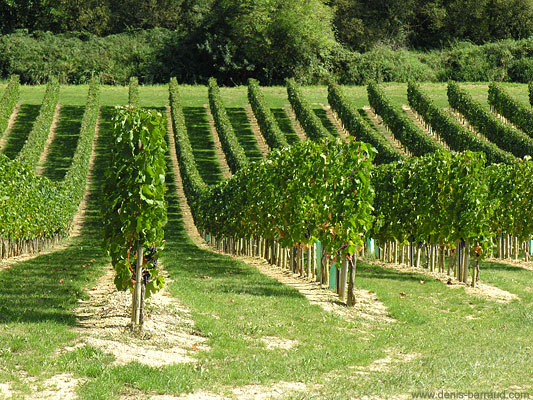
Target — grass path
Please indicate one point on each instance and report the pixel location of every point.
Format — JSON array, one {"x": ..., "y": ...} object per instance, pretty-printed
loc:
[
  {"x": 285, "y": 125},
  {"x": 243, "y": 131},
  {"x": 16, "y": 138},
  {"x": 62, "y": 148},
  {"x": 202, "y": 144}
]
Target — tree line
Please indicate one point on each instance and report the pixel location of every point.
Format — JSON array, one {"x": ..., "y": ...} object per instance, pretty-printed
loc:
[{"x": 357, "y": 24}]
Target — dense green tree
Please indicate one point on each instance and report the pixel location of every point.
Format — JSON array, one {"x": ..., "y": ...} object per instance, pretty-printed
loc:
[{"x": 265, "y": 39}]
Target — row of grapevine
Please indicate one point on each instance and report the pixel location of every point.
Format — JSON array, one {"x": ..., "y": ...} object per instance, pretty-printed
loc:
[
  {"x": 503, "y": 135},
  {"x": 456, "y": 136},
  {"x": 267, "y": 123},
  {"x": 36, "y": 141},
  {"x": 284, "y": 204},
  {"x": 8, "y": 102},
  {"x": 193, "y": 183},
  {"x": 133, "y": 92},
  {"x": 402, "y": 127},
  {"x": 297, "y": 196},
  {"x": 34, "y": 211},
  {"x": 517, "y": 113},
  {"x": 310, "y": 122},
  {"x": 234, "y": 152},
  {"x": 439, "y": 199},
  {"x": 359, "y": 128},
  {"x": 134, "y": 208}
]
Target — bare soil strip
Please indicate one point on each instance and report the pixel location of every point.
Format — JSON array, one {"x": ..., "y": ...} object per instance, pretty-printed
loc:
[
  {"x": 44, "y": 155},
  {"x": 517, "y": 263},
  {"x": 368, "y": 306},
  {"x": 12, "y": 119},
  {"x": 249, "y": 392},
  {"x": 77, "y": 221},
  {"x": 226, "y": 171},
  {"x": 463, "y": 121},
  {"x": 261, "y": 143},
  {"x": 381, "y": 127},
  {"x": 422, "y": 125},
  {"x": 167, "y": 337},
  {"x": 483, "y": 290},
  {"x": 188, "y": 220},
  {"x": 58, "y": 387},
  {"x": 296, "y": 127},
  {"x": 332, "y": 116}
]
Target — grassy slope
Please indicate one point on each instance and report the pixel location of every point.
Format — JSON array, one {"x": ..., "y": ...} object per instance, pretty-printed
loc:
[
  {"x": 65, "y": 141},
  {"x": 237, "y": 306},
  {"x": 21, "y": 129}
]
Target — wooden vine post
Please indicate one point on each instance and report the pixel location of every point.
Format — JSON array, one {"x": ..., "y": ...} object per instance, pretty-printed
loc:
[{"x": 134, "y": 210}]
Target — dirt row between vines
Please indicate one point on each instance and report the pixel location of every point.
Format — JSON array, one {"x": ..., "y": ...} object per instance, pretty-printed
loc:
[
  {"x": 418, "y": 121},
  {"x": 51, "y": 136},
  {"x": 4, "y": 136},
  {"x": 296, "y": 127},
  {"x": 382, "y": 128},
  {"x": 224, "y": 167},
  {"x": 483, "y": 290},
  {"x": 254, "y": 125},
  {"x": 336, "y": 122}
]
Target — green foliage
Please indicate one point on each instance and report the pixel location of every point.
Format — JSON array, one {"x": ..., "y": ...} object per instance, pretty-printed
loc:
[
  {"x": 309, "y": 191},
  {"x": 76, "y": 176},
  {"x": 34, "y": 207},
  {"x": 517, "y": 113},
  {"x": 267, "y": 123},
  {"x": 504, "y": 135},
  {"x": 193, "y": 183},
  {"x": 359, "y": 128},
  {"x": 382, "y": 63},
  {"x": 8, "y": 102},
  {"x": 530, "y": 88},
  {"x": 76, "y": 58},
  {"x": 417, "y": 141},
  {"x": 310, "y": 122},
  {"x": 34, "y": 146},
  {"x": 134, "y": 209},
  {"x": 133, "y": 92},
  {"x": 266, "y": 39},
  {"x": 430, "y": 23},
  {"x": 511, "y": 189},
  {"x": 456, "y": 136},
  {"x": 234, "y": 152},
  {"x": 438, "y": 199}
]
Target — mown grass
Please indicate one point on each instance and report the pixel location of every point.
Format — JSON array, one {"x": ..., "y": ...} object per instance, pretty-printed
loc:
[
  {"x": 243, "y": 131},
  {"x": 64, "y": 144},
  {"x": 202, "y": 144},
  {"x": 285, "y": 125},
  {"x": 320, "y": 113},
  {"x": 21, "y": 129}
]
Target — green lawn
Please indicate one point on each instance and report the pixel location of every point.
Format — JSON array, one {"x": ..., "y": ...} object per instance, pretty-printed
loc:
[{"x": 441, "y": 339}]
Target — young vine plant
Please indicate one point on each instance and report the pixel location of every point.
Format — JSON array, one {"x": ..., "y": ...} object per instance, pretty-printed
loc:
[{"x": 134, "y": 209}]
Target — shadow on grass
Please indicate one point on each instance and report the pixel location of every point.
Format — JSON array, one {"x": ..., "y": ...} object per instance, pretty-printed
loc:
[
  {"x": 205, "y": 269},
  {"x": 244, "y": 133},
  {"x": 365, "y": 270},
  {"x": 64, "y": 145},
  {"x": 320, "y": 113},
  {"x": 21, "y": 129},
  {"x": 48, "y": 287},
  {"x": 202, "y": 144},
  {"x": 285, "y": 125}
]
